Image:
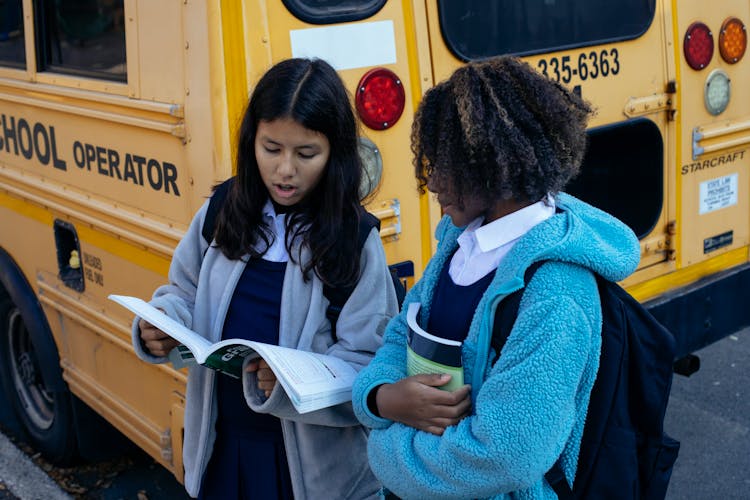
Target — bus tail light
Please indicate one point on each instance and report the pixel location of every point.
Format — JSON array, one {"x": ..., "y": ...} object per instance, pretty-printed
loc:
[
  {"x": 732, "y": 40},
  {"x": 698, "y": 45},
  {"x": 716, "y": 93},
  {"x": 380, "y": 98}
]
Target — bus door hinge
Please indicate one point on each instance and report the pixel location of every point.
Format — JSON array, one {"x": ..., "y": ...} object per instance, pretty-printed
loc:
[
  {"x": 641, "y": 106},
  {"x": 671, "y": 234}
]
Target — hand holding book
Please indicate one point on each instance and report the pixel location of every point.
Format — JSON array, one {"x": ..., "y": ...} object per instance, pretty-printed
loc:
[
  {"x": 427, "y": 353},
  {"x": 311, "y": 380},
  {"x": 154, "y": 340},
  {"x": 433, "y": 395}
]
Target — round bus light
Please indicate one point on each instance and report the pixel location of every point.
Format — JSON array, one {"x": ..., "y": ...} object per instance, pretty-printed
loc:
[
  {"x": 698, "y": 45},
  {"x": 732, "y": 40},
  {"x": 717, "y": 91},
  {"x": 372, "y": 166},
  {"x": 380, "y": 98}
]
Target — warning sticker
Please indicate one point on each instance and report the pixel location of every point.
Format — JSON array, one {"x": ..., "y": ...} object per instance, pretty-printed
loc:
[{"x": 718, "y": 193}]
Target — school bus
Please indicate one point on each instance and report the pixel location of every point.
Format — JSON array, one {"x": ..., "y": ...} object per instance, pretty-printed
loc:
[{"x": 117, "y": 117}]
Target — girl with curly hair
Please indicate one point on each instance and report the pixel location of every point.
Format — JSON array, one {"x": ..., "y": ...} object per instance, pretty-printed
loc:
[
  {"x": 497, "y": 142},
  {"x": 287, "y": 229}
]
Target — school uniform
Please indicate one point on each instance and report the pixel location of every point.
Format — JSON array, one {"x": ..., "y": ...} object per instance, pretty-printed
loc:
[
  {"x": 529, "y": 407},
  {"x": 203, "y": 285}
]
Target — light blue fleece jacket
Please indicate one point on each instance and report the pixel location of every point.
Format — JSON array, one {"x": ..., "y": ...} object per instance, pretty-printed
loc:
[
  {"x": 530, "y": 407},
  {"x": 326, "y": 449}
]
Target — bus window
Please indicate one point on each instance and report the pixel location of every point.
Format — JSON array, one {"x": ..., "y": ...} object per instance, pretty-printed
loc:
[
  {"x": 622, "y": 173},
  {"x": 475, "y": 29},
  {"x": 12, "y": 47},
  {"x": 333, "y": 11},
  {"x": 83, "y": 38}
]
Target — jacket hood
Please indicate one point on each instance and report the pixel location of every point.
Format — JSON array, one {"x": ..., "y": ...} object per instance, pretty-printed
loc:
[{"x": 579, "y": 234}]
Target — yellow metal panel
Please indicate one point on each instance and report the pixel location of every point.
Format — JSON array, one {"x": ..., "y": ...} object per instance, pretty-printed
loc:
[
  {"x": 726, "y": 144},
  {"x": 162, "y": 45},
  {"x": 234, "y": 59},
  {"x": 393, "y": 143}
]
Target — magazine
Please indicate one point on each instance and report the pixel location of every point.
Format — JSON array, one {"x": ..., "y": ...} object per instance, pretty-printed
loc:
[
  {"x": 427, "y": 353},
  {"x": 311, "y": 380}
]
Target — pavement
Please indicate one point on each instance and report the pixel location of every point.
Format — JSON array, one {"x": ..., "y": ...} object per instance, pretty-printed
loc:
[
  {"x": 22, "y": 479},
  {"x": 709, "y": 413}
]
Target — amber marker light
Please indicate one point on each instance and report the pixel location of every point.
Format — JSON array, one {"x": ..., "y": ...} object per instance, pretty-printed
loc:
[
  {"x": 380, "y": 98},
  {"x": 732, "y": 40},
  {"x": 698, "y": 45}
]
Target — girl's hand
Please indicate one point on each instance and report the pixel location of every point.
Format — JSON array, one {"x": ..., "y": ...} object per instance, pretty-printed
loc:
[
  {"x": 154, "y": 340},
  {"x": 263, "y": 373},
  {"x": 417, "y": 402}
]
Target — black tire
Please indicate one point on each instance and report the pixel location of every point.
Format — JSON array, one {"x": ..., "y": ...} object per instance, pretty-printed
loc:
[
  {"x": 9, "y": 421},
  {"x": 46, "y": 415}
]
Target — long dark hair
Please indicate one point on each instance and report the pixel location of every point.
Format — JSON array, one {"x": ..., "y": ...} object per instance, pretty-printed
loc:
[
  {"x": 311, "y": 93},
  {"x": 497, "y": 129}
]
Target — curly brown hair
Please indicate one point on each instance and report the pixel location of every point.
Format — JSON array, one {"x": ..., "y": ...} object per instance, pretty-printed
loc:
[{"x": 499, "y": 130}]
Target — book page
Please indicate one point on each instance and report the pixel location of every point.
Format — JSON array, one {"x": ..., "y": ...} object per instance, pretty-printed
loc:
[
  {"x": 311, "y": 380},
  {"x": 197, "y": 344},
  {"x": 309, "y": 376}
]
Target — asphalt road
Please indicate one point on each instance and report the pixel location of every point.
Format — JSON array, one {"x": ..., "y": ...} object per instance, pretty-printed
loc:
[{"x": 709, "y": 413}]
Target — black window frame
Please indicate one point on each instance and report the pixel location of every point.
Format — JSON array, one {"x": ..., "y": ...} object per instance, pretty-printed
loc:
[
  {"x": 450, "y": 42},
  {"x": 22, "y": 64},
  {"x": 327, "y": 15},
  {"x": 634, "y": 193},
  {"x": 43, "y": 9}
]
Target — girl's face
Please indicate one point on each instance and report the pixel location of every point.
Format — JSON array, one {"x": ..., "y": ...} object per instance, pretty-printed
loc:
[
  {"x": 291, "y": 159},
  {"x": 461, "y": 213},
  {"x": 468, "y": 209}
]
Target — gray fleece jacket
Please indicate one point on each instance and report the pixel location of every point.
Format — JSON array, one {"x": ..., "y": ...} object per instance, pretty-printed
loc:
[{"x": 326, "y": 449}]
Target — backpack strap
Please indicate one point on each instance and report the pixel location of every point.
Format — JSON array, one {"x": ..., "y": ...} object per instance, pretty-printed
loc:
[
  {"x": 507, "y": 310},
  {"x": 218, "y": 197},
  {"x": 337, "y": 296},
  {"x": 505, "y": 317}
]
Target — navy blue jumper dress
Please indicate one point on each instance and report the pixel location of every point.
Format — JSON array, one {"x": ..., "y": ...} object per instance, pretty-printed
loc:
[
  {"x": 453, "y": 305},
  {"x": 248, "y": 459}
]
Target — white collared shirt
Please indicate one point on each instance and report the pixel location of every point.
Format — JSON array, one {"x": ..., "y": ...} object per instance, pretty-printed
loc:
[
  {"x": 481, "y": 248},
  {"x": 277, "y": 222}
]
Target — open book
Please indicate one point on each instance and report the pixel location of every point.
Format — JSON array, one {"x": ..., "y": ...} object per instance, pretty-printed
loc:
[
  {"x": 311, "y": 380},
  {"x": 427, "y": 353}
]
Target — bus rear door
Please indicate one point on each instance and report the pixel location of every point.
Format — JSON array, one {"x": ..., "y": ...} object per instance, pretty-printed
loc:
[{"x": 617, "y": 59}]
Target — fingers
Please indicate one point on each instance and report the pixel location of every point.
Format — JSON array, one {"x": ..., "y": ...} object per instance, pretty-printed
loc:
[
  {"x": 423, "y": 406},
  {"x": 265, "y": 378},
  {"x": 432, "y": 379},
  {"x": 154, "y": 340}
]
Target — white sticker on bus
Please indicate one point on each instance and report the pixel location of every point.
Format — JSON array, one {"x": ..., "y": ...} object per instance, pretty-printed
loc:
[
  {"x": 718, "y": 193},
  {"x": 347, "y": 46}
]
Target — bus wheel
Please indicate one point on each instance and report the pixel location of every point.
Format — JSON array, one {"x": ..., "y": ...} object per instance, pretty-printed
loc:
[{"x": 45, "y": 414}]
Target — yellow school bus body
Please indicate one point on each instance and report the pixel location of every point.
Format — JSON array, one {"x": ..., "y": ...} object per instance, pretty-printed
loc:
[{"x": 116, "y": 169}]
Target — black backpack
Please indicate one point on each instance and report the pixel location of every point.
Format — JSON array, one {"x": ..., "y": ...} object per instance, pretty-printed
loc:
[
  {"x": 625, "y": 453},
  {"x": 337, "y": 296}
]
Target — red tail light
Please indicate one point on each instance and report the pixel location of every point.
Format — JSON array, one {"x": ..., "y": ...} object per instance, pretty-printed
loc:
[
  {"x": 698, "y": 45},
  {"x": 380, "y": 98}
]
